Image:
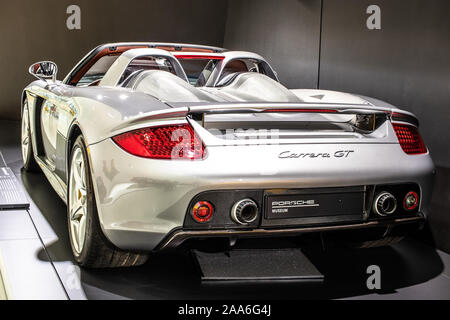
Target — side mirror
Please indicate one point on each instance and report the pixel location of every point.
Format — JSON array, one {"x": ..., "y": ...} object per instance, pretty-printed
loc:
[{"x": 45, "y": 70}]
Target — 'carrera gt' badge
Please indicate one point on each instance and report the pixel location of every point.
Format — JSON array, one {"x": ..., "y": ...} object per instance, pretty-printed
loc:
[{"x": 338, "y": 154}]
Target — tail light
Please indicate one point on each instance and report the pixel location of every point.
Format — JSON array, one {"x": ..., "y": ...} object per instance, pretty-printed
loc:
[
  {"x": 202, "y": 211},
  {"x": 173, "y": 142},
  {"x": 410, "y": 139}
]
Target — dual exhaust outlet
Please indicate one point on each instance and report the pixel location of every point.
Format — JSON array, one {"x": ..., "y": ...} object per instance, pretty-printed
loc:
[{"x": 245, "y": 211}]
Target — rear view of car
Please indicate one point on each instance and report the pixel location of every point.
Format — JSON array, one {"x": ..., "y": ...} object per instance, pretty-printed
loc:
[{"x": 199, "y": 142}]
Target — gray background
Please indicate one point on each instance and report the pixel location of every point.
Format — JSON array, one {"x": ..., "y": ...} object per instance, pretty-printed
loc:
[
  {"x": 286, "y": 33},
  {"x": 311, "y": 43}
]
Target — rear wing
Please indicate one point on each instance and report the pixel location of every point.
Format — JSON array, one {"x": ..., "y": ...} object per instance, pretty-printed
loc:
[{"x": 199, "y": 112}]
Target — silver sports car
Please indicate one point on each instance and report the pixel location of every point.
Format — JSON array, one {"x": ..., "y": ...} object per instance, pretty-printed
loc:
[{"x": 153, "y": 145}]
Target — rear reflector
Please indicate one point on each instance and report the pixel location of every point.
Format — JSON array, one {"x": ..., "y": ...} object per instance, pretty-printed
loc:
[
  {"x": 411, "y": 201},
  {"x": 410, "y": 139},
  {"x": 202, "y": 211},
  {"x": 175, "y": 142}
]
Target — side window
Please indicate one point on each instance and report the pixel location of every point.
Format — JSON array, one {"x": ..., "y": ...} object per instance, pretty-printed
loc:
[{"x": 97, "y": 71}]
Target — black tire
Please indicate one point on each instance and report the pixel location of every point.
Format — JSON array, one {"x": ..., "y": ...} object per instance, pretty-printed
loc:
[
  {"x": 29, "y": 163},
  {"x": 97, "y": 251}
]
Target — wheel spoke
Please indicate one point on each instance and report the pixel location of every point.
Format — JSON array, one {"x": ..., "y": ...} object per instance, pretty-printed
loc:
[
  {"x": 82, "y": 230},
  {"x": 77, "y": 213},
  {"x": 77, "y": 175},
  {"x": 75, "y": 239},
  {"x": 25, "y": 138},
  {"x": 77, "y": 200},
  {"x": 82, "y": 195},
  {"x": 83, "y": 175}
]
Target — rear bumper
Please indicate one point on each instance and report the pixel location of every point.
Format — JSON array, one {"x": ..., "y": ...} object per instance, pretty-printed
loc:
[
  {"x": 177, "y": 237},
  {"x": 141, "y": 202}
]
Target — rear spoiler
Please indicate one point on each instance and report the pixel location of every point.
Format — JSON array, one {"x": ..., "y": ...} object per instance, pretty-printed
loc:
[
  {"x": 197, "y": 112},
  {"x": 395, "y": 115},
  {"x": 287, "y": 107}
]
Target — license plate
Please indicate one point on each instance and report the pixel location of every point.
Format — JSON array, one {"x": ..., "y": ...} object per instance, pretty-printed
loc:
[{"x": 314, "y": 205}]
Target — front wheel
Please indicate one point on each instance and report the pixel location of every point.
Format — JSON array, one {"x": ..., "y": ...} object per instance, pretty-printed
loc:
[
  {"x": 89, "y": 245},
  {"x": 29, "y": 163}
]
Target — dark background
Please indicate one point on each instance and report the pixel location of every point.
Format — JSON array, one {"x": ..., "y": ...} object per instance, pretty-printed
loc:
[
  {"x": 311, "y": 44},
  {"x": 35, "y": 30}
]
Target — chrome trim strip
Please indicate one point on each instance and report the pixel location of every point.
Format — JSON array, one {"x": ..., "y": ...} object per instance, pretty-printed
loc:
[{"x": 179, "y": 236}]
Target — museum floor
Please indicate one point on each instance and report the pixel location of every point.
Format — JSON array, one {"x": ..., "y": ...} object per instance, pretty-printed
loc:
[{"x": 36, "y": 263}]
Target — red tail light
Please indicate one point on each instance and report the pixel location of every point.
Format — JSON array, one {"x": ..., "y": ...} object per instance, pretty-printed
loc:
[
  {"x": 167, "y": 142},
  {"x": 410, "y": 139}
]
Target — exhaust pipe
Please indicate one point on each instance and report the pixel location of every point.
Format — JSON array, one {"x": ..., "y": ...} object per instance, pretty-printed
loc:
[
  {"x": 385, "y": 204},
  {"x": 244, "y": 212}
]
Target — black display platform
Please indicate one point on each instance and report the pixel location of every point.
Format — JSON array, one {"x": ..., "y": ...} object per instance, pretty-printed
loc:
[{"x": 256, "y": 265}]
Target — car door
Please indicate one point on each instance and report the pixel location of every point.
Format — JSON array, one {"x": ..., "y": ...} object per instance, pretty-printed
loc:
[
  {"x": 57, "y": 114},
  {"x": 49, "y": 119}
]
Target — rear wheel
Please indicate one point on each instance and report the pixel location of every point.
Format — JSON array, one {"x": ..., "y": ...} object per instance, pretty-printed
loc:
[
  {"x": 29, "y": 163},
  {"x": 89, "y": 245}
]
